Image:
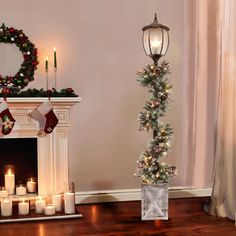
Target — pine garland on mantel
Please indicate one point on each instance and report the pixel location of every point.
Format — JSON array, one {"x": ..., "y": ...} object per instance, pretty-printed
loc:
[{"x": 67, "y": 92}]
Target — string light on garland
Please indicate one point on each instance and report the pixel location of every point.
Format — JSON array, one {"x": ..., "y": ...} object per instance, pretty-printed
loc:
[
  {"x": 150, "y": 166},
  {"x": 30, "y": 61}
]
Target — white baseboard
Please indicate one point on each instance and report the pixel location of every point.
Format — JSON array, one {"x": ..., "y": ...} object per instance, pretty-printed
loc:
[{"x": 135, "y": 194}]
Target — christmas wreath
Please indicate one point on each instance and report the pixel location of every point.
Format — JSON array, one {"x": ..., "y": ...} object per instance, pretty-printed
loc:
[{"x": 30, "y": 62}]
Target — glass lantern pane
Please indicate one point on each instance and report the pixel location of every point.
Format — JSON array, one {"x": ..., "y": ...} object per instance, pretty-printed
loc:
[
  {"x": 146, "y": 42},
  {"x": 165, "y": 42},
  {"x": 156, "y": 41}
]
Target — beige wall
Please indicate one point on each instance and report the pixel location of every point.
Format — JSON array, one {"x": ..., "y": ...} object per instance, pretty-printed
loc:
[{"x": 99, "y": 50}]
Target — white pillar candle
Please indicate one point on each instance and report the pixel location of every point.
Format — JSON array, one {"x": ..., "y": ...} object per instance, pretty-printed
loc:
[
  {"x": 39, "y": 205},
  {"x": 23, "y": 208},
  {"x": 10, "y": 181},
  {"x": 31, "y": 186},
  {"x": 49, "y": 210},
  {"x": 3, "y": 193},
  {"x": 20, "y": 190},
  {"x": 6, "y": 207},
  {"x": 69, "y": 203},
  {"x": 56, "y": 200}
]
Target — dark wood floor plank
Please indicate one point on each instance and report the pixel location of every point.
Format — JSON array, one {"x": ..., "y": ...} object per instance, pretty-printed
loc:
[{"x": 187, "y": 218}]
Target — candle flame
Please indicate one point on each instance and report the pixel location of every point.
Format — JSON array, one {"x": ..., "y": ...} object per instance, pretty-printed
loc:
[
  {"x": 46, "y": 58},
  {"x": 9, "y": 172},
  {"x": 54, "y": 49}
]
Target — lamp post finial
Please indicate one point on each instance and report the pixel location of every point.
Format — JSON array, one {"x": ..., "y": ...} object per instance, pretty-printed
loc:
[{"x": 155, "y": 18}]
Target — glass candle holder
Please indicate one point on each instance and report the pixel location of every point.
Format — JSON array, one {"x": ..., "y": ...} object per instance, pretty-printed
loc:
[
  {"x": 57, "y": 201},
  {"x": 9, "y": 177},
  {"x": 6, "y": 206},
  {"x": 40, "y": 204},
  {"x": 23, "y": 207},
  {"x": 31, "y": 185},
  {"x": 20, "y": 190},
  {"x": 3, "y": 192},
  {"x": 69, "y": 199},
  {"x": 49, "y": 210}
]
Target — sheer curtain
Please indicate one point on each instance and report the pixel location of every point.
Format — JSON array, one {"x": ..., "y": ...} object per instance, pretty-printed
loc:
[
  {"x": 211, "y": 99},
  {"x": 202, "y": 85},
  {"x": 224, "y": 189}
]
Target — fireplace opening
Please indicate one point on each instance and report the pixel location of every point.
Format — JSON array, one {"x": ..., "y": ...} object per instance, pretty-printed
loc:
[{"x": 22, "y": 154}]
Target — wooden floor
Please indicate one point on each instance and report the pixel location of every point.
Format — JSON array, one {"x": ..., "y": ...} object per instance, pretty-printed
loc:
[{"x": 186, "y": 218}]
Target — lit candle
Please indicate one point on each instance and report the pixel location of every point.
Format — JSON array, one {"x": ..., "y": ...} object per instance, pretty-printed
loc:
[
  {"x": 20, "y": 190},
  {"x": 55, "y": 58},
  {"x": 69, "y": 203},
  {"x": 3, "y": 192},
  {"x": 49, "y": 210},
  {"x": 23, "y": 208},
  {"x": 6, "y": 206},
  {"x": 31, "y": 185},
  {"x": 56, "y": 200},
  {"x": 10, "y": 181},
  {"x": 46, "y": 64},
  {"x": 39, "y": 205}
]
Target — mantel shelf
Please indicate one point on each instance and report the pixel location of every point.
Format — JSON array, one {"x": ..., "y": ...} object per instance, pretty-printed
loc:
[{"x": 68, "y": 100}]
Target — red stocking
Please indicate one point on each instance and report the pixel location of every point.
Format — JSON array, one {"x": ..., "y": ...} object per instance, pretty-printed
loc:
[
  {"x": 45, "y": 116},
  {"x": 7, "y": 120}
]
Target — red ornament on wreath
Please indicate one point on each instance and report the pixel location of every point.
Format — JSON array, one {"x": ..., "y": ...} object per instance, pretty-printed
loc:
[
  {"x": 69, "y": 90},
  {"x": 6, "y": 91},
  {"x": 29, "y": 64}
]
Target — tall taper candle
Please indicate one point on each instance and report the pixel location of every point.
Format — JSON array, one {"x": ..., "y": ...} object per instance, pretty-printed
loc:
[
  {"x": 46, "y": 64},
  {"x": 46, "y": 69},
  {"x": 55, "y": 59}
]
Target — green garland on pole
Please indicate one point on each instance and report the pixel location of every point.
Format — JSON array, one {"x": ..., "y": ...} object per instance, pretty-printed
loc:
[{"x": 150, "y": 166}]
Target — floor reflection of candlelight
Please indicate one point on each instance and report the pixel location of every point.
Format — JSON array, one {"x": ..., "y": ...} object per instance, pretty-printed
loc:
[
  {"x": 94, "y": 214},
  {"x": 41, "y": 230},
  {"x": 157, "y": 223}
]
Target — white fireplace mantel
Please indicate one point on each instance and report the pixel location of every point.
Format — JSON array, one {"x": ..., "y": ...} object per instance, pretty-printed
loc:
[{"x": 53, "y": 148}]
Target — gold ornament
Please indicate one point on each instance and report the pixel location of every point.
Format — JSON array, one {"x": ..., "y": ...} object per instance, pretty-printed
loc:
[{"x": 8, "y": 124}]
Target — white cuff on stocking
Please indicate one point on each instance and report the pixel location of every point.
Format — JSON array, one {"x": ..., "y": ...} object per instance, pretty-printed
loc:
[
  {"x": 3, "y": 106},
  {"x": 39, "y": 117},
  {"x": 45, "y": 107}
]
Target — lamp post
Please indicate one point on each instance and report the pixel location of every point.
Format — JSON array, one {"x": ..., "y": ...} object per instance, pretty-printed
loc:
[
  {"x": 155, "y": 40},
  {"x": 155, "y": 43},
  {"x": 155, "y": 173}
]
